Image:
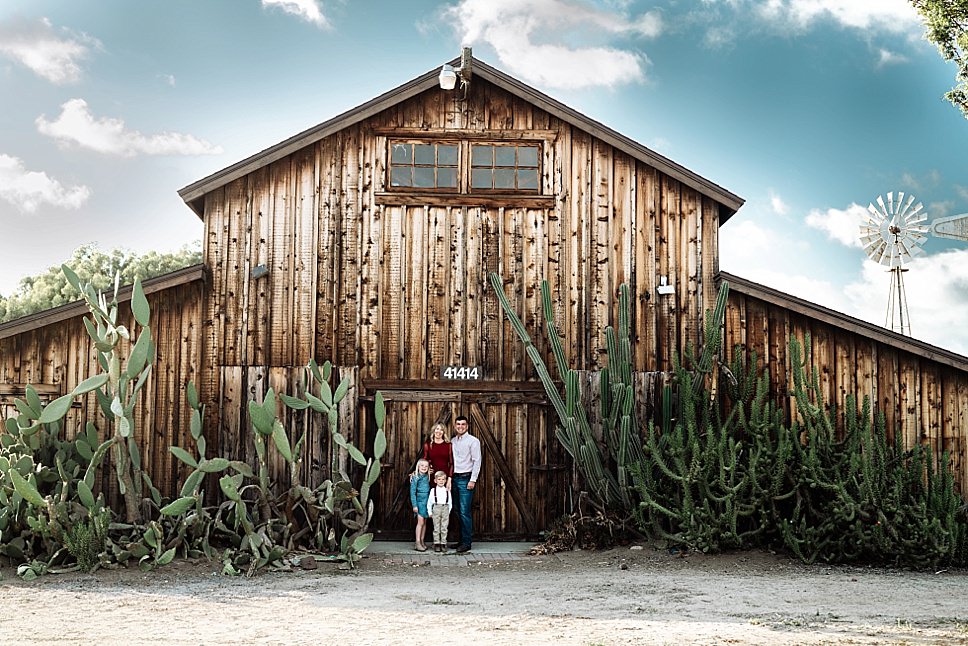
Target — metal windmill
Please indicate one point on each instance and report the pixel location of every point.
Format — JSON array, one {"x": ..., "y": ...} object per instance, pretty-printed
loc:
[{"x": 892, "y": 235}]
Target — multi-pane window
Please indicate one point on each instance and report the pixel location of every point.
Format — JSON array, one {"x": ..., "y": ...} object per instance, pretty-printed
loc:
[
  {"x": 504, "y": 167},
  {"x": 465, "y": 167},
  {"x": 423, "y": 165}
]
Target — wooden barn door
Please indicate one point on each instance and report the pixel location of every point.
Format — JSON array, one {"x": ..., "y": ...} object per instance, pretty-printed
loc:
[{"x": 522, "y": 486}]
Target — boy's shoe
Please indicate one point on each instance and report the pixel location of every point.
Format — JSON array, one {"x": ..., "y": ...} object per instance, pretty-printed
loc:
[
  {"x": 437, "y": 547},
  {"x": 463, "y": 548}
]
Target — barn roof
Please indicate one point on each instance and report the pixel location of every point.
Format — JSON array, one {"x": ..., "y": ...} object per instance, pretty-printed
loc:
[
  {"x": 77, "y": 308},
  {"x": 844, "y": 322},
  {"x": 194, "y": 193}
]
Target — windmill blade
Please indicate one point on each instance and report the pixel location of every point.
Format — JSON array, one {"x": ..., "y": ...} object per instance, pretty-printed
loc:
[
  {"x": 917, "y": 223},
  {"x": 875, "y": 215},
  {"x": 880, "y": 203},
  {"x": 877, "y": 251},
  {"x": 907, "y": 206},
  {"x": 890, "y": 203}
]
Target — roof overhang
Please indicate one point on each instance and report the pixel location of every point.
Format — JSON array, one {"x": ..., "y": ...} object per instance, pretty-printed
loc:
[
  {"x": 845, "y": 322},
  {"x": 194, "y": 194},
  {"x": 77, "y": 308}
]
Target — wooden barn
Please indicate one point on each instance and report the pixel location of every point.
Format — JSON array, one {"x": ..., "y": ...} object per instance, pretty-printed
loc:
[{"x": 367, "y": 241}]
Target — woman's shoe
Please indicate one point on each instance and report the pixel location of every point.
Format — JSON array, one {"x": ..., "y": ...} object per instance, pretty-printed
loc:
[{"x": 420, "y": 547}]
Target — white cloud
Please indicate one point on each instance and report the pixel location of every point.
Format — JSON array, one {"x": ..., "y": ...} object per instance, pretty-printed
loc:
[
  {"x": 731, "y": 19},
  {"x": 886, "y": 58},
  {"x": 888, "y": 15},
  {"x": 307, "y": 10},
  {"x": 842, "y": 226},
  {"x": 907, "y": 179},
  {"x": 661, "y": 145},
  {"x": 513, "y": 28},
  {"x": 719, "y": 36},
  {"x": 37, "y": 46},
  {"x": 27, "y": 190},
  {"x": 76, "y": 125},
  {"x": 748, "y": 250},
  {"x": 169, "y": 79},
  {"x": 937, "y": 297},
  {"x": 778, "y": 205}
]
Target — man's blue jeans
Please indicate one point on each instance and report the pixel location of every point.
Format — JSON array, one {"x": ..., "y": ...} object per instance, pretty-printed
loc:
[{"x": 463, "y": 499}]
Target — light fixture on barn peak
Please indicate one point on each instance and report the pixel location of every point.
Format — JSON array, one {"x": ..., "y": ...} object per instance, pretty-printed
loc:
[{"x": 449, "y": 74}]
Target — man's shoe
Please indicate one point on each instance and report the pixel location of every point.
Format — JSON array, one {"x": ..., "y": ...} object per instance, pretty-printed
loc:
[
  {"x": 437, "y": 547},
  {"x": 463, "y": 548},
  {"x": 453, "y": 546}
]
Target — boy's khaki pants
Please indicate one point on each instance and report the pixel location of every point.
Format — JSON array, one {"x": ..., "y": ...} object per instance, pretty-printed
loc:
[{"x": 441, "y": 515}]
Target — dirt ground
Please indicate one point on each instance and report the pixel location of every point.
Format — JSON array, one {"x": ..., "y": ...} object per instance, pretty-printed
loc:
[{"x": 617, "y": 597}]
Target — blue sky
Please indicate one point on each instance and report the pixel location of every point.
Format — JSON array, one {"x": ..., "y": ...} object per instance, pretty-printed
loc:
[{"x": 809, "y": 109}]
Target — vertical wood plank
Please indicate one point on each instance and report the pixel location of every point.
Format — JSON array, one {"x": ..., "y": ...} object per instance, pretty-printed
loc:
[
  {"x": 668, "y": 243},
  {"x": 888, "y": 390},
  {"x": 329, "y": 239},
  {"x": 645, "y": 313},
  {"x": 347, "y": 352},
  {"x": 437, "y": 320},
  {"x": 281, "y": 316},
  {"x": 392, "y": 292},
  {"x": 909, "y": 378},
  {"x": 577, "y": 321},
  {"x": 600, "y": 292},
  {"x": 687, "y": 254},
  {"x": 474, "y": 286}
]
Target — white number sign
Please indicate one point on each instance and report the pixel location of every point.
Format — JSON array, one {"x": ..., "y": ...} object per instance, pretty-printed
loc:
[{"x": 465, "y": 373}]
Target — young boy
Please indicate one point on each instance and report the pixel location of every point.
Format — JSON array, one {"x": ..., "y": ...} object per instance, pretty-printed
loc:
[{"x": 438, "y": 508}]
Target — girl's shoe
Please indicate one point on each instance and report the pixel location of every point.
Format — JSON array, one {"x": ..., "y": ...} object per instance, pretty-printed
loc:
[{"x": 420, "y": 547}]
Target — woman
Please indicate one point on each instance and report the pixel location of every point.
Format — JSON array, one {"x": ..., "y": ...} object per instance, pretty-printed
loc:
[{"x": 436, "y": 450}]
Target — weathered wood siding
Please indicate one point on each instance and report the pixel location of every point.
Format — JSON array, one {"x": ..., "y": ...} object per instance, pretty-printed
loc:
[
  {"x": 61, "y": 354},
  {"x": 395, "y": 284},
  {"x": 400, "y": 289},
  {"x": 924, "y": 399}
]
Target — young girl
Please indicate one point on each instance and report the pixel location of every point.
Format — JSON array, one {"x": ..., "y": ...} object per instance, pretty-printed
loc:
[{"x": 419, "y": 492}]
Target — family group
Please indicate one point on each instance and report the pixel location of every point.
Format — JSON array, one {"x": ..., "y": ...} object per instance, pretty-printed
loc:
[{"x": 443, "y": 482}]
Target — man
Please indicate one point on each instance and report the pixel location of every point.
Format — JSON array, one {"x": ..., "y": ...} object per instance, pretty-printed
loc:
[{"x": 467, "y": 466}]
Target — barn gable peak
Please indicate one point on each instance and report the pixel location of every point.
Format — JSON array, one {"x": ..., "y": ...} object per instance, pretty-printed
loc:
[{"x": 194, "y": 193}]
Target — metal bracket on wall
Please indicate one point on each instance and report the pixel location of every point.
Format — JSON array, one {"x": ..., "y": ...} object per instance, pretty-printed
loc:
[{"x": 665, "y": 288}]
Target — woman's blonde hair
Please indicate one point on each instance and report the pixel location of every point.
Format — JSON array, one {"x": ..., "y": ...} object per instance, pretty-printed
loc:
[
  {"x": 443, "y": 428},
  {"x": 416, "y": 468}
]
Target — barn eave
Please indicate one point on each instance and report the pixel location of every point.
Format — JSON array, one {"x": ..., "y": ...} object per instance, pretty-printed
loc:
[
  {"x": 79, "y": 307},
  {"x": 845, "y": 322}
]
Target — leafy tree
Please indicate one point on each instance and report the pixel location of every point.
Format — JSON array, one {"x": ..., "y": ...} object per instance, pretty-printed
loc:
[
  {"x": 50, "y": 289},
  {"x": 947, "y": 23}
]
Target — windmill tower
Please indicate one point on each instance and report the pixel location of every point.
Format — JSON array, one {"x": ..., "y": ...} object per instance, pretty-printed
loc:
[{"x": 893, "y": 234}]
